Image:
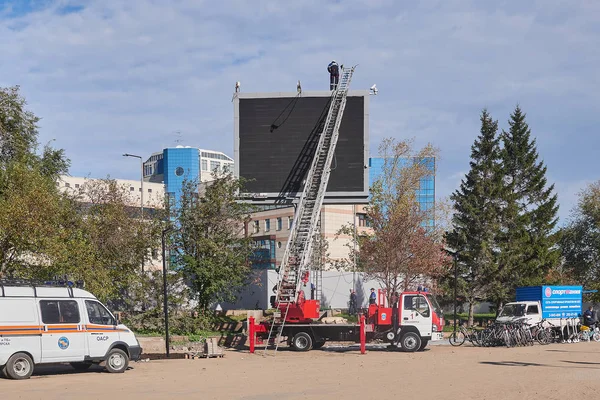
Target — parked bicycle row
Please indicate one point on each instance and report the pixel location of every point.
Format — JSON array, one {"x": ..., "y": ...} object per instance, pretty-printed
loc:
[{"x": 520, "y": 333}]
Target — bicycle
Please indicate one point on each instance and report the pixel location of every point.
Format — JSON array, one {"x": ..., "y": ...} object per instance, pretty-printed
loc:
[{"x": 463, "y": 334}]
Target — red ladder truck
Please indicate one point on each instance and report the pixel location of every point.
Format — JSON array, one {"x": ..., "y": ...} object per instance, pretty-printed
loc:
[{"x": 416, "y": 320}]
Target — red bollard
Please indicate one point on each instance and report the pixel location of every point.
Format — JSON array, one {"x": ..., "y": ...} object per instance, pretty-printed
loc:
[
  {"x": 363, "y": 335},
  {"x": 251, "y": 333}
]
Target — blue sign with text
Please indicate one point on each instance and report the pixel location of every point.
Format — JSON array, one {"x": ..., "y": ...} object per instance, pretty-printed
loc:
[
  {"x": 557, "y": 301},
  {"x": 561, "y": 301}
]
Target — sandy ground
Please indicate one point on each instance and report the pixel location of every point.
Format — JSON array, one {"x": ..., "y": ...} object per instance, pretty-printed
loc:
[{"x": 558, "y": 371}]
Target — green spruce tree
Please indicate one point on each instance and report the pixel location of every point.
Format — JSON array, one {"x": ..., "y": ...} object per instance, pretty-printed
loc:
[
  {"x": 527, "y": 241},
  {"x": 476, "y": 217}
]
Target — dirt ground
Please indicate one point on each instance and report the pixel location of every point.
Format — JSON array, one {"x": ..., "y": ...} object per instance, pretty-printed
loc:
[{"x": 555, "y": 371}]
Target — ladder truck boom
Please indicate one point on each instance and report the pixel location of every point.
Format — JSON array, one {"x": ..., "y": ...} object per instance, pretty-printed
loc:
[{"x": 295, "y": 265}]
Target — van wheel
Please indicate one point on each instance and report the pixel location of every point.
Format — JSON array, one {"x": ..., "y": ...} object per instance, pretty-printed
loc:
[
  {"x": 117, "y": 361},
  {"x": 19, "y": 366},
  {"x": 302, "y": 341},
  {"x": 410, "y": 342},
  {"x": 81, "y": 366}
]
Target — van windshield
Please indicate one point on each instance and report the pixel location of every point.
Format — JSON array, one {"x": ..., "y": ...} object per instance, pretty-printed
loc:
[{"x": 513, "y": 310}]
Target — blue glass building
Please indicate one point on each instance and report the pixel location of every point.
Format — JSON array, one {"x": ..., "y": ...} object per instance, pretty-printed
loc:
[
  {"x": 179, "y": 164},
  {"x": 426, "y": 191}
]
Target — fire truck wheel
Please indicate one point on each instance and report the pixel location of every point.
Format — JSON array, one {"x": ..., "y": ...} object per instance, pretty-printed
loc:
[
  {"x": 302, "y": 341},
  {"x": 410, "y": 342},
  {"x": 423, "y": 344}
]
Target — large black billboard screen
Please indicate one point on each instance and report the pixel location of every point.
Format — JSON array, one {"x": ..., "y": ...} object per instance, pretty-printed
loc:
[{"x": 278, "y": 138}]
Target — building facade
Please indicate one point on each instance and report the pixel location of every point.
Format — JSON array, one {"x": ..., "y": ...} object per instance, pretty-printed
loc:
[
  {"x": 153, "y": 199},
  {"x": 270, "y": 227},
  {"x": 425, "y": 193},
  {"x": 173, "y": 165}
]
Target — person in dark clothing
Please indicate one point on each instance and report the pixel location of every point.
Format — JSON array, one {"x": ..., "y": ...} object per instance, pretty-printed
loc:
[
  {"x": 395, "y": 298},
  {"x": 352, "y": 306},
  {"x": 312, "y": 291},
  {"x": 334, "y": 74},
  {"x": 372, "y": 297},
  {"x": 588, "y": 317}
]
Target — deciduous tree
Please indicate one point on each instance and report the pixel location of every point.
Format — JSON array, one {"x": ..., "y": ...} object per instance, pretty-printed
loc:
[
  {"x": 213, "y": 249},
  {"x": 402, "y": 248},
  {"x": 580, "y": 240}
]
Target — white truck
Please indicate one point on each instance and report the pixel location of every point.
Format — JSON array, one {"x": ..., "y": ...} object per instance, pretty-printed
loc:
[
  {"x": 555, "y": 304},
  {"x": 46, "y": 324}
]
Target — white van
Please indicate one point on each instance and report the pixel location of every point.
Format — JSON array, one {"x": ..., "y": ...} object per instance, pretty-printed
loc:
[{"x": 48, "y": 324}]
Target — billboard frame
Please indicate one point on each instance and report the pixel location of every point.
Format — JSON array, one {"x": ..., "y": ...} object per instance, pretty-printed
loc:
[{"x": 354, "y": 197}]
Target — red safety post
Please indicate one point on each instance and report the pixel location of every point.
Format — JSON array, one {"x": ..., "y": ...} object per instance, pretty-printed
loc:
[
  {"x": 251, "y": 333},
  {"x": 363, "y": 334}
]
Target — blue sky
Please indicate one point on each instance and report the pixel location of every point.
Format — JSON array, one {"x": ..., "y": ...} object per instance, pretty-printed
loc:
[{"x": 110, "y": 77}]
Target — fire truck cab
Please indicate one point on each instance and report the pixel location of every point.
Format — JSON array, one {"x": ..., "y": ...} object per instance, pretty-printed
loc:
[{"x": 410, "y": 324}]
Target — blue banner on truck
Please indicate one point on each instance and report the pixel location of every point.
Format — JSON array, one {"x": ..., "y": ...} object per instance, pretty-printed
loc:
[{"x": 557, "y": 301}]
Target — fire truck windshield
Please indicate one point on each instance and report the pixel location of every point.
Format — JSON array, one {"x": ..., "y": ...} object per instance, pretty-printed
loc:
[{"x": 435, "y": 305}]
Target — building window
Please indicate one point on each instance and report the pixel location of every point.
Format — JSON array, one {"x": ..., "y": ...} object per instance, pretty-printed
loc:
[
  {"x": 67, "y": 184},
  {"x": 204, "y": 165},
  {"x": 267, "y": 225},
  {"x": 279, "y": 224},
  {"x": 215, "y": 166},
  {"x": 149, "y": 190},
  {"x": 77, "y": 186},
  {"x": 131, "y": 189},
  {"x": 363, "y": 220},
  {"x": 256, "y": 226},
  {"x": 290, "y": 221}
]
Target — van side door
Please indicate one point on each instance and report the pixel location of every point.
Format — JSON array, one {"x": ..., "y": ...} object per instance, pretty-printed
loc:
[
  {"x": 101, "y": 329},
  {"x": 63, "y": 338}
]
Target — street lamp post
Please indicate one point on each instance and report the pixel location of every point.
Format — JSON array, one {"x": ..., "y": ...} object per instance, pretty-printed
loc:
[
  {"x": 455, "y": 284},
  {"x": 165, "y": 302},
  {"x": 142, "y": 191}
]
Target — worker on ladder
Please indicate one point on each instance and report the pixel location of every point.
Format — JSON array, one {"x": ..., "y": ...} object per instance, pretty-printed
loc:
[{"x": 334, "y": 74}]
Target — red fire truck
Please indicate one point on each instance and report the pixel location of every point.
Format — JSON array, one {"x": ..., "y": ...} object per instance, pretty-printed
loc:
[{"x": 410, "y": 325}]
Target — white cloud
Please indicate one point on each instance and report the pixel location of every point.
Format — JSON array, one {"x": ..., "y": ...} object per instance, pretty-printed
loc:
[{"x": 120, "y": 76}]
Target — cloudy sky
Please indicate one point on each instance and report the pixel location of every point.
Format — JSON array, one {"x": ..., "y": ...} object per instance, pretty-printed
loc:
[{"x": 115, "y": 76}]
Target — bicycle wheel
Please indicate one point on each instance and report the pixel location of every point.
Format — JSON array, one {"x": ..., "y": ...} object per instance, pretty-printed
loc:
[
  {"x": 542, "y": 337},
  {"x": 457, "y": 338}
]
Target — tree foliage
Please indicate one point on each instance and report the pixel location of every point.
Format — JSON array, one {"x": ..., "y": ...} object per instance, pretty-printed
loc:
[
  {"x": 212, "y": 246},
  {"x": 401, "y": 250},
  {"x": 506, "y": 213},
  {"x": 527, "y": 239},
  {"x": 476, "y": 220},
  {"x": 580, "y": 240}
]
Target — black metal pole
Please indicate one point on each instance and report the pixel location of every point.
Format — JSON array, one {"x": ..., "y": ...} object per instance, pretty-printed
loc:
[
  {"x": 165, "y": 303},
  {"x": 455, "y": 284}
]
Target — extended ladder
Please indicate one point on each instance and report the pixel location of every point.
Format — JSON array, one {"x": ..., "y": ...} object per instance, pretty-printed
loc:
[{"x": 296, "y": 258}]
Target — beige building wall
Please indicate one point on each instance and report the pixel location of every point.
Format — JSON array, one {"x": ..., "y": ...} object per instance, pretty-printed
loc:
[
  {"x": 333, "y": 217},
  {"x": 154, "y": 193}
]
